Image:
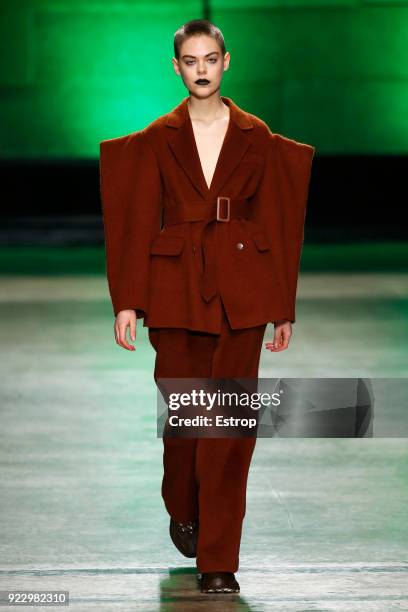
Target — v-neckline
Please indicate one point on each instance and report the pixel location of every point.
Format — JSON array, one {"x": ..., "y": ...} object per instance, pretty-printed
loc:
[{"x": 197, "y": 155}]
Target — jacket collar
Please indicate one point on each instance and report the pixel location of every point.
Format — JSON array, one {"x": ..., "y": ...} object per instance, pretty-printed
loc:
[{"x": 182, "y": 143}]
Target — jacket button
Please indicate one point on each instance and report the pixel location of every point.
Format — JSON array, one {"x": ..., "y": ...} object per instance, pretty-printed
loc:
[{"x": 240, "y": 245}]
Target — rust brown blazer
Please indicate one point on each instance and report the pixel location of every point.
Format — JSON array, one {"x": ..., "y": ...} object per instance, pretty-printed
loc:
[{"x": 174, "y": 248}]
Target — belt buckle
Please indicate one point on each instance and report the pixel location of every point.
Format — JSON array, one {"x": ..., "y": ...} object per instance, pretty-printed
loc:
[{"x": 227, "y": 218}]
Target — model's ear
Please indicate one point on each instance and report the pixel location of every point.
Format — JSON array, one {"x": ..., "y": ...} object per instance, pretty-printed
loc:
[
  {"x": 131, "y": 195},
  {"x": 227, "y": 56}
]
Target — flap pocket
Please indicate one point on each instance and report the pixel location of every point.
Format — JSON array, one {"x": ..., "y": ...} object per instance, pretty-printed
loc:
[
  {"x": 261, "y": 241},
  {"x": 167, "y": 245}
]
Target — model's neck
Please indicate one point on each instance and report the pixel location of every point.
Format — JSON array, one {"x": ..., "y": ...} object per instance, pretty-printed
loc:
[{"x": 207, "y": 109}]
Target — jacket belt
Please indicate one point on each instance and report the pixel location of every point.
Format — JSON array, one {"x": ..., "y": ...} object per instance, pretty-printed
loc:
[{"x": 221, "y": 211}]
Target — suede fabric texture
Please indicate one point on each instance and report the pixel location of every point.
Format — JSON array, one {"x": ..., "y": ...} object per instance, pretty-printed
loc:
[{"x": 155, "y": 269}]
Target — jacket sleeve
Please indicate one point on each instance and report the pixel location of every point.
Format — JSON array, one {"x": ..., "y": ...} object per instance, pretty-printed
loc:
[
  {"x": 131, "y": 196},
  {"x": 280, "y": 209}
]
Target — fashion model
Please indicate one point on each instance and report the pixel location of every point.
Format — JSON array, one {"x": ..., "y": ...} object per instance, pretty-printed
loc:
[{"x": 204, "y": 215}]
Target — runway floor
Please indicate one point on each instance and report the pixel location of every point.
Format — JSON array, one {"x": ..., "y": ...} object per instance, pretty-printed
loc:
[{"x": 326, "y": 524}]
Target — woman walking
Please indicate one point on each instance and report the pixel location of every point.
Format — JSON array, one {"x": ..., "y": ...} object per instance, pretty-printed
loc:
[{"x": 204, "y": 216}]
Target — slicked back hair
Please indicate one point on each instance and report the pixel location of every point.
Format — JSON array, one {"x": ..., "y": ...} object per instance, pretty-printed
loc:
[{"x": 196, "y": 27}]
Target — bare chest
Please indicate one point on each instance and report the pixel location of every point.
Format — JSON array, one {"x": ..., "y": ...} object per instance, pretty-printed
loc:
[{"x": 209, "y": 141}]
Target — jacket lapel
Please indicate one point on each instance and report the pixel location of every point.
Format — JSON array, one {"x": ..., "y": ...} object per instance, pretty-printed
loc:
[{"x": 182, "y": 142}]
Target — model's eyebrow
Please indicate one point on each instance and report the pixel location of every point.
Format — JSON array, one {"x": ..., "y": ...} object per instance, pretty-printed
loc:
[{"x": 194, "y": 57}]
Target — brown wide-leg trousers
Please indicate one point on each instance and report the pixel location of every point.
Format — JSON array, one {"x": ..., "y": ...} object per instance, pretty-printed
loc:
[{"x": 206, "y": 478}]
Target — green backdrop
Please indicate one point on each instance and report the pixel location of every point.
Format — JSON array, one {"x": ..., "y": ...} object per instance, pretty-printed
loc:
[{"x": 330, "y": 73}]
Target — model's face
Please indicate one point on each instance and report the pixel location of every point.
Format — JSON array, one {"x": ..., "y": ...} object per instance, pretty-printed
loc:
[{"x": 201, "y": 58}]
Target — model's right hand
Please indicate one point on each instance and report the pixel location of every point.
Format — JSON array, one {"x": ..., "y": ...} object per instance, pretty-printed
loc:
[{"x": 125, "y": 319}]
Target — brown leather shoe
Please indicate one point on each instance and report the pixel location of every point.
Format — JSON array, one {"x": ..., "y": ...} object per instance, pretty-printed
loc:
[
  {"x": 184, "y": 536},
  {"x": 218, "y": 582}
]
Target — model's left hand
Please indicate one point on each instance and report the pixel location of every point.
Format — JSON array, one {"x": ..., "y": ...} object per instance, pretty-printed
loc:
[{"x": 283, "y": 332}]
